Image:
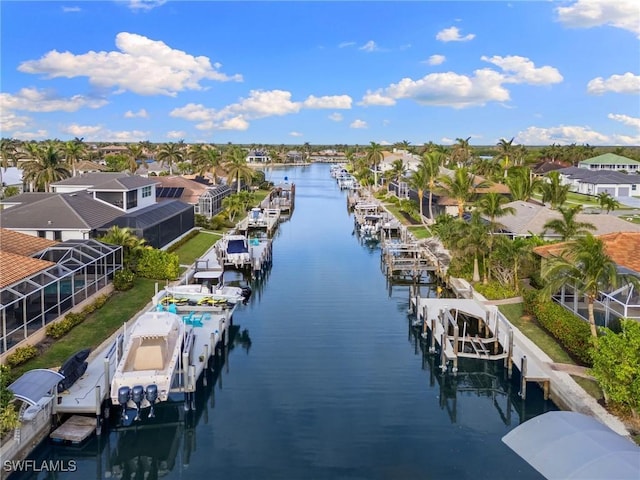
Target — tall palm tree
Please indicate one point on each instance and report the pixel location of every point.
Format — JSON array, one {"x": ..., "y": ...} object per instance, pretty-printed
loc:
[
  {"x": 375, "y": 156},
  {"x": 131, "y": 244},
  {"x": 46, "y": 165},
  {"x": 492, "y": 205},
  {"x": 553, "y": 191},
  {"x": 584, "y": 264},
  {"x": 522, "y": 183},
  {"x": 74, "y": 151},
  {"x": 474, "y": 242},
  {"x": 236, "y": 166},
  {"x": 568, "y": 227},
  {"x": 170, "y": 154},
  {"x": 9, "y": 155},
  {"x": 505, "y": 155},
  {"x": 208, "y": 161},
  {"x": 135, "y": 151},
  {"x": 461, "y": 186},
  {"x": 397, "y": 171},
  {"x": 431, "y": 163},
  {"x": 419, "y": 181},
  {"x": 462, "y": 152}
]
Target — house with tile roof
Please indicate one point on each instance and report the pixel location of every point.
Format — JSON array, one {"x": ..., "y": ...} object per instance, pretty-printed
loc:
[
  {"x": 624, "y": 301},
  {"x": 594, "y": 182},
  {"x": 41, "y": 280},
  {"x": 529, "y": 219},
  {"x": 610, "y": 161}
]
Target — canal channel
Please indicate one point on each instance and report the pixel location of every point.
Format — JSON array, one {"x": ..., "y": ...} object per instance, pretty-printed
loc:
[{"x": 325, "y": 379}]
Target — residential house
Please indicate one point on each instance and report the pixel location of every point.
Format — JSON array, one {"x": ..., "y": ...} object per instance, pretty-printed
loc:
[
  {"x": 529, "y": 219},
  {"x": 205, "y": 196},
  {"x": 258, "y": 156},
  {"x": 42, "y": 279},
  {"x": 611, "y": 161},
  {"x": 87, "y": 205},
  {"x": 624, "y": 301},
  {"x": 594, "y": 182}
]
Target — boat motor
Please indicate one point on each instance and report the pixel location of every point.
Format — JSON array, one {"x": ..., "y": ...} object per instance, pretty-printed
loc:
[
  {"x": 137, "y": 395},
  {"x": 123, "y": 399},
  {"x": 246, "y": 294},
  {"x": 152, "y": 396}
]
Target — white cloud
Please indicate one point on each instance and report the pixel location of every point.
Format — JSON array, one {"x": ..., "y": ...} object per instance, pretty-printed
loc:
[
  {"x": 37, "y": 135},
  {"x": 627, "y": 83},
  {"x": 562, "y": 135},
  {"x": 295, "y": 134},
  {"x": 336, "y": 117},
  {"x": 385, "y": 143},
  {"x": 377, "y": 98},
  {"x": 34, "y": 100},
  {"x": 625, "y": 119},
  {"x": 346, "y": 44},
  {"x": 130, "y": 68},
  {"x": 125, "y": 136},
  {"x": 624, "y": 14},
  {"x": 71, "y": 9},
  {"x": 236, "y": 123},
  {"x": 523, "y": 70},
  {"x": 358, "y": 124},
  {"x": 452, "y": 34},
  {"x": 447, "y": 141},
  {"x": 370, "y": 46},
  {"x": 9, "y": 122},
  {"x": 142, "y": 113},
  {"x": 87, "y": 131},
  {"x": 436, "y": 60},
  {"x": 145, "y": 5},
  {"x": 335, "y": 101},
  {"x": 195, "y": 112},
  {"x": 176, "y": 134}
]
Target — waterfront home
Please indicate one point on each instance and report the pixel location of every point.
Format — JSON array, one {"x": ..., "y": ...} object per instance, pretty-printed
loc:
[
  {"x": 529, "y": 219},
  {"x": 86, "y": 206},
  {"x": 610, "y": 161},
  {"x": 42, "y": 279},
  {"x": 623, "y": 302},
  {"x": 205, "y": 197},
  {"x": 594, "y": 182},
  {"x": 258, "y": 156}
]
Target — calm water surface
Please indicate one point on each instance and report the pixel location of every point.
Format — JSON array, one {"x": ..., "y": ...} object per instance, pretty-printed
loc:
[{"x": 333, "y": 383}]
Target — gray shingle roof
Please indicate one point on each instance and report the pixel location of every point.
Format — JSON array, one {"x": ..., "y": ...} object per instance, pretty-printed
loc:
[
  {"x": 77, "y": 211},
  {"x": 600, "y": 176},
  {"x": 114, "y": 181}
]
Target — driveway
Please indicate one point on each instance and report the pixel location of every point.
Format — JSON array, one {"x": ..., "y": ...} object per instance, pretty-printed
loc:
[{"x": 633, "y": 202}]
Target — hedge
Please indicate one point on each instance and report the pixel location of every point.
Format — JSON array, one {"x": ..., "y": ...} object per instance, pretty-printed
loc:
[
  {"x": 62, "y": 327},
  {"x": 21, "y": 355},
  {"x": 158, "y": 265},
  {"x": 573, "y": 333}
]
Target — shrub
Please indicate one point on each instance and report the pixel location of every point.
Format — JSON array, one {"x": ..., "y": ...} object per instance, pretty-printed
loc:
[
  {"x": 21, "y": 355},
  {"x": 123, "y": 280},
  {"x": 158, "y": 265},
  {"x": 495, "y": 291},
  {"x": 61, "y": 327},
  {"x": 571, "y": 331}
]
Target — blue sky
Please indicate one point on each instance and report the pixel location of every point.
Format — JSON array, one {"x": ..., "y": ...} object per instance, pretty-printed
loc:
[{"x": 322, "y": 72}]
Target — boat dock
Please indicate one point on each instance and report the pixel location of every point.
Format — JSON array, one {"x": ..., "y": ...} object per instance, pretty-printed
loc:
[
  {"x": 266, "y": 219},
  {"x": 243, "y": 253},
  {"x": 282, "y": 198},
  {"x": 466, "y": 328}
]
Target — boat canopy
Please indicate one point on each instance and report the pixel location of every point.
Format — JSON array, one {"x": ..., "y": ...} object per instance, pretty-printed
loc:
[
  {"x": 35, "y": 384},
  {"x": 209, "y": 274},
  {"x": 571, "y": 445},
  {"x": 237, "y": 246}
]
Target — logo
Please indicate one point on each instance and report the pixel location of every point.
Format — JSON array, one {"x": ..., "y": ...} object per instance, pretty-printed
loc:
[{"x": 39, "y": 466}]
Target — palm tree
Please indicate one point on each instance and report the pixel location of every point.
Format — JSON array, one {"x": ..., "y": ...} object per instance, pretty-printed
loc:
[
  {"x": 134, "y": 152},
  {"x": 492, "y": 205},
  {"x": 584, "y": 264},
  {"x": 462, "y": 152},
  {"x": 460, "y": 186},
  {"x": 474, "y": 242},
  {"x": 397, "y": 171},
  {"x": 512, "y": 255},
  {"x": 8, "y": 155},
  {"x": 607, "y": 201},
  {"x": 74, "y": 151},
  {"x": 131, "y": 244},
  {"x": 208, "y": 161},
  {"x": 419, "y": 181},
  {"x": 170, "y": 154},
  {"x": 522, "y": 183},
  {"x": 375, "y": 156},
  {"x": 236, "y": 166},
  {"x": 46, "y": 165},
  {"x": 431, "y": 163},
  {"x": 233, "y": 205},
  {"x": 505, "y": 155},
  {"x": 553, "y": 191},
  {"x": 568, "y": 227}
]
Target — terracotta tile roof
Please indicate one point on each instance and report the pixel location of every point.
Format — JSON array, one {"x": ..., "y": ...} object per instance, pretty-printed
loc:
[
  {"x": 622, "y": 247},
  {"x": 22, "y": 244},
  {"x": 14, "y": 268},
  {"x": 192, "y": 190}
]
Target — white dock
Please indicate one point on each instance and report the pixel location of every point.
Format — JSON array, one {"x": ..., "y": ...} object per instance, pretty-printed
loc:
[{"x": 497, "y": 342}]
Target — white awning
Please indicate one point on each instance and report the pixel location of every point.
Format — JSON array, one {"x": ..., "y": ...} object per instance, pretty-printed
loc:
[
  {"x": 208, "y": 274},
  {"x": 570, "y": 445},
  {"x": 35, "y": 384}
]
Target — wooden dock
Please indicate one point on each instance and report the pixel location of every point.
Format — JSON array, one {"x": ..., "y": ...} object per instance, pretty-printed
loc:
[
  {"x": 445, "y": 321},
  {"x": 75, "y": 430}
]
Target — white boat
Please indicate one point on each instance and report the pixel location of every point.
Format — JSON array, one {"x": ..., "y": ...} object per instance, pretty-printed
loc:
[
  {"x": 235, "y": 249},
  {"x": 151, "y": 357},
  {"x": 257, "y": 218},
  {"x": 195, "y": 295}
]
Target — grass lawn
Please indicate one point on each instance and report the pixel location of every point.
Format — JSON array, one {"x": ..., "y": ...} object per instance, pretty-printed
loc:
[
  {"x": 260, "y": 195},
  {"x": 420, "y": 232},
  {"x": 196, "y": 247},
  {"x": 536, "y": 333},
  {"x": 96, "y": 328}
]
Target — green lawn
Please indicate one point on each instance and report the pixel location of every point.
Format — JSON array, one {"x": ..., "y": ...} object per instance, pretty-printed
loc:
[
  {"x": 536, "y": 333},
  {"x": 420, "y": 232},
  {"x": 196, "y": 247},
  {"x": 96, "y": 328}
]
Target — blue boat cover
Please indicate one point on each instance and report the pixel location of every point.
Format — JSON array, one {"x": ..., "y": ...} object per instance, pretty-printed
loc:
[{"x": 237, "y": 246}]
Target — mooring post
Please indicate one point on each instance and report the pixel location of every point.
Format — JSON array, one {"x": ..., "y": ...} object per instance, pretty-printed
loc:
[
  {"x": 510, "y": 355},
  {"x": 523, "y": 378},
  {"x": 443, "y": 356},
  {"x": 456, "y": 348},
  {"x": 432, "y": 348}
]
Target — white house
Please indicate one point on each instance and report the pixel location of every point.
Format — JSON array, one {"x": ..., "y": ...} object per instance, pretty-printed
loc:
[
  {"x": 611, "y": 161},
  {"x": 258, "y": 156},
  {"x": 594, "y": 182}
]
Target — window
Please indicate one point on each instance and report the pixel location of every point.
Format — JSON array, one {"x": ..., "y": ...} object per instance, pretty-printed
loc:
[
  {"x": 634, "y": 187},
  {"x": 146, "y": 191},
  {"x": 42, "y": 234},
  {"x": 57, "y": 235}
]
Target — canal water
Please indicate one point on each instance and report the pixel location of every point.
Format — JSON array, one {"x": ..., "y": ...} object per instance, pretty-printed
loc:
[{"x": 325, "y": 379}]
